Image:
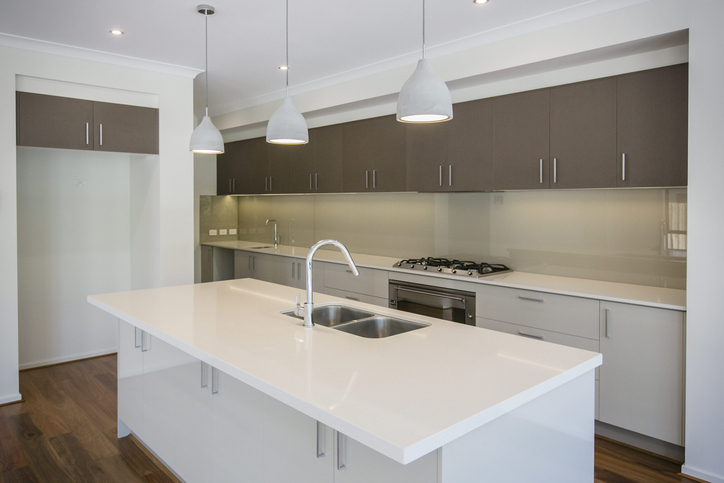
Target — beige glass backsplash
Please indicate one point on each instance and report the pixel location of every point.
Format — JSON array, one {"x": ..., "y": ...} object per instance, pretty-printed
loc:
[{"x": 614, "y": 235}]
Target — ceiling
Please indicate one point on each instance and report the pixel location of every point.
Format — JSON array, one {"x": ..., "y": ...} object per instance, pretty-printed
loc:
[{"x": 330, "y": 40}]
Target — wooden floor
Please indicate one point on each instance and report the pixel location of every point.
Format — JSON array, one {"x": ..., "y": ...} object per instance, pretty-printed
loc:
[{"x": 65, "y": 431}]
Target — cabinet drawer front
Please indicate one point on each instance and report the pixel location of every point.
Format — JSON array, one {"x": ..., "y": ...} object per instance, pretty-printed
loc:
[
  {"x": 357, "y": 297},
  {"x": 546, "y": 335},
  {"x": 369, "y": 282},
  {"x": 558, "y": 313}
]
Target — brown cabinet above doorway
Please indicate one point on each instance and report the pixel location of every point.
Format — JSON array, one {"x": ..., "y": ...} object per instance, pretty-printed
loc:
[{"x": 68, "y": 123}]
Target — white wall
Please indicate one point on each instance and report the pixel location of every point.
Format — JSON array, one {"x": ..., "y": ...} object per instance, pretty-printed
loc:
[
  {"x": 173, "y": 226},
  {"x": 73, "y": 226},
  {"x": 705, "y": 318}
]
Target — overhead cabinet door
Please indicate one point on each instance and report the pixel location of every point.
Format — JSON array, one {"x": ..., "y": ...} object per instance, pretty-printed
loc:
[
  {"x": 583, "y": 135},
  {"x": 522, "y": 140},
  {"x": 653, "y": 127},
  {"x": 470, "y": 163},
  {"x": 54, "y": 122},
  {"x": 125, "y": 129}
]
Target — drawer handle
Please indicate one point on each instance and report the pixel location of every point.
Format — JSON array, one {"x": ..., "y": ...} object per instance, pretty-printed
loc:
[
  {"x": 341, "y": 451},
  {"x": 530, "y": 336},
  {"x": 321, "y": 439},
  {"x": 214, "y": 380},
  {"x": 529, "y": 299},
  {"x": 352, "y": 298},
  {"x": 136, "y": 343},
  {"x": 204, "y": 381},
  {"x": 606, "y": 330}
]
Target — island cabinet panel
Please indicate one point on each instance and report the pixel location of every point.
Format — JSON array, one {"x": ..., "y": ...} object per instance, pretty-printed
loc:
[
  {"x": 470, "y": 147},
  {"x": 125, "y": 129},
  {"x": 642, "y": 377},
  {"x": 68, "y": 123},
  {"x": 583, "y": 135},
  {"x": 374, "y": 158},
  {"x": 130, "y": 376},
  {"x": 54, "y": 122},
  {"x": 522, "y": 140},
  {"x": 193, "y": 413},
  {"x": 356, "y": 463},
  {"x": 652, "y": 132}
]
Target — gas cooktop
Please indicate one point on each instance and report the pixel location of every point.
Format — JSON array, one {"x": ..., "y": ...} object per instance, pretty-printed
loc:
[{"x": 454, "y": 267}]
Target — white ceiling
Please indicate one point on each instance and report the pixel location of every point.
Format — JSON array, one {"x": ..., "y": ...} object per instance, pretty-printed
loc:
[{"x": 330, "y": 40}]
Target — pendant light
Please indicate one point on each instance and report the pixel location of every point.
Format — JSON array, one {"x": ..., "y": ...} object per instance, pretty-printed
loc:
[
  {"x": 424, "y": 97},
  {"x": 206, "y": 139},
  {"x": 287, "y": 125}
]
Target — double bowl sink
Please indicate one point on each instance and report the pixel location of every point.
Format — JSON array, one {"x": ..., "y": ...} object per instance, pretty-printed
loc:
[{"x": 359, "y": 322}]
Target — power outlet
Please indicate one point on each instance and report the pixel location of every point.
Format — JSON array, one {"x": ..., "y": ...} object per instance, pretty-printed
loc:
[
  {"x": 232, "y": 231},
  {"x": 80, "y": 183},
  {"x": 212, "y": 232},
  {"x": 222, "y": 231}
]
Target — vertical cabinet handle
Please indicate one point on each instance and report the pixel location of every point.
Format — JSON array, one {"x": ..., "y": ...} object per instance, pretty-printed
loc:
[
  {"x": 321, "y": 439},
  {"x": 204, "y": 378},
  {"x": 440, "y": 175},
  {"x": 271, "y": 183},
  {"x": 87, "y": 135},
  {"x": 293, "y": 276},
  {"x": 606, "y": 327},
  {"x": 144, "y": 346},
  {"x": 136, "y": 343},
  {"x": 341, "y": 451},
  {"x": 555, "y": 170},
  {"x": 316, "y": 181},
  {"x": 623, "y": 167},
  {"x": 101, "y": 137},
  {"x": 214, "y": 380},
  {"x": 233, "y": 184},
  {"x": 449, "y": 174},
  {"x": 374, "y": 178},
  {"x": 541, "y": 171},
  {"x": 310, "y": 181},
  {"x": 367, "y": 178}
]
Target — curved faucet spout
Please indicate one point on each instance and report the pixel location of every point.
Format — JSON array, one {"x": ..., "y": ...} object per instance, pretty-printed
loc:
[{"x": 309, "y": 305}]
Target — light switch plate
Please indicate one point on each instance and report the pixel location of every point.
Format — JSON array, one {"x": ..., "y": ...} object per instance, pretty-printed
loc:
[
  {"x": 212, "y": 232},
  {"x": 222, "y": 231},
  {"x": 232, "y": 231}
]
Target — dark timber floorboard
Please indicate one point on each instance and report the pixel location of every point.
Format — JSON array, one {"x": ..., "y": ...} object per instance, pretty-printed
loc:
[{"x": 65, "y": 431}]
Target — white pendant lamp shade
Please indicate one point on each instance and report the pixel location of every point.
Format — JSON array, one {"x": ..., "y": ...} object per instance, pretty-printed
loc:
[
  {"x": 424, "y": 97},
  {"x": 206, "y": 139},
  {"x": 287, "y": 125}
]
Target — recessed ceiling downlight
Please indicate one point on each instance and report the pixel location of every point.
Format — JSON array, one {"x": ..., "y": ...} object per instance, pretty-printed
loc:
[{"x": 117, "y": 32}]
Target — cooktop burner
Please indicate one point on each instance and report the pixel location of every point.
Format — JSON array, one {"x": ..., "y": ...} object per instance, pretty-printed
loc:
[{"x": 455, "y": 267}]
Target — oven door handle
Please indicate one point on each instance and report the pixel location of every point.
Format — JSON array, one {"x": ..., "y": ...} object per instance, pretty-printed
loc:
[{"x": 433, "y": 294}]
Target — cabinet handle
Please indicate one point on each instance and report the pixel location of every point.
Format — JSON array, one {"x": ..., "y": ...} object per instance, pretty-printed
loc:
[
  {"x": 214, "y": 380},
  {"x": 87, "y": 135},
  {"x": 271, "y": 183},
  {"x": 352, "y": 298},
  {"x": 530, "y": 336},
  {"x": 299, "y": 271},
  {"x": 606, "y": 330},
  {"x": 293, "y": 276},
  {"x": 230, "y": 186},
  {"x": 367, "y": 179},
  {"x": 136, "y": 344},
  {"x": 374, "y": 178},
  {"x": 266, "y": 183},
  {"x": 530, "y": 299},
  {"x": 321, "y": 439},
  {"x": 555, "y": 170},
  {"x": 341, "y": 451},
  {"x": 541, "y": 171},
  {"x": 204, "y": 379},
  {"x": 310, "y": 181},
  {"x": 449, "y": 174},
  {"x": 233, "y": 184},
  {"x": 101, "y": 140},
  {"x": 440, "y": 175},
  {"x": 144, "y": 347},
  {"x": 316, "y": 181},
  {"x": 623, "y": 167}
]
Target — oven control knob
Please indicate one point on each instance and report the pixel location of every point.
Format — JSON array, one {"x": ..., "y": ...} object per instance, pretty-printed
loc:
[
  {"x": 453, "y": 271},
  {"x": 412, "y": 266},
  {"x": 439, "y": 269},
  {"x": 425, "y": 267},
  {"x": 470, "y": 272}
]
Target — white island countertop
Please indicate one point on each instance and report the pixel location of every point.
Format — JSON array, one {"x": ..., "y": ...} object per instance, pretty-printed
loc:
[
  {"x": 403, "y": 396},
  {"x": 659, "y": 297}
]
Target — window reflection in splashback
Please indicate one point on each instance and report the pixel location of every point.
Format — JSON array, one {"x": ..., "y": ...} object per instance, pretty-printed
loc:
[{"x": 614, "y": 235}]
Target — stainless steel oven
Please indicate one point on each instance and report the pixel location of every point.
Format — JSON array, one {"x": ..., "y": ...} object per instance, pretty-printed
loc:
[{"x": 442, "y": 303}]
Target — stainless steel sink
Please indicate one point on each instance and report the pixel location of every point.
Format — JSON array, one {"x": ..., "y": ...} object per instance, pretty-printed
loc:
[
  {"x": 378, "y": 327},
  {"x": 332, "y": 315}
]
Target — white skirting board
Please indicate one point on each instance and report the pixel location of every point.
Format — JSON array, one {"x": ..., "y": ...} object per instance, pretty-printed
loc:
[
  {"x": 10, "y": 399},
  {"x": 74, "y": 357},
  {"x": 689, "y": 471}
]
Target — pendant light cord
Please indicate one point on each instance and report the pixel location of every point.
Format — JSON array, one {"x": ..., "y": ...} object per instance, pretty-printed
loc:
[
  {"x": 206, "y": 41},
  {"x": 286, "y": 92},
  {"x": 423, "y": 28}
]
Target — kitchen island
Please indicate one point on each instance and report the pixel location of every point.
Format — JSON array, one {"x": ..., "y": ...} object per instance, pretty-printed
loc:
[{"x": 444, "y": 403}]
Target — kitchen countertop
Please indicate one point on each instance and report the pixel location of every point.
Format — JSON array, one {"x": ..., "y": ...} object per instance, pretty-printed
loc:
[
  {"x": 403, "y": 396},
  {"x": 665, "y": 298}
]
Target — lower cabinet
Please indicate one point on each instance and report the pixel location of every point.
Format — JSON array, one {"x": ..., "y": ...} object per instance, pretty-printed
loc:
[{"x": 642, "y": 376}]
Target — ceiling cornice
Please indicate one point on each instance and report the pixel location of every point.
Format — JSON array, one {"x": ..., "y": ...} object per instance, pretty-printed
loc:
[{"x": 24, "y": 43}]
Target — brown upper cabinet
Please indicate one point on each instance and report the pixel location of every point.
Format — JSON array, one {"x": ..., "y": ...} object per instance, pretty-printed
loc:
[
  {"x": 652, "y": 133},
  {"x": 374, "y": 157},
  {"x": 522, "y": 140},
  {"x": 62, "y": 122},
  {"x": 583, "y": 135}
]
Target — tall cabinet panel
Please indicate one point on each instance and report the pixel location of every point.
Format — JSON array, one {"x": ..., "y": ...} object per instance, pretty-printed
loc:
[
  {"x": 54, "y": 122},
  {"x": 653, "y": 127},
  {"x": 130, "y": 376},
  {"x": 470, "y": 147},
  {"x": 522, "y": 140},
  {"x": 583, "y": 135}
]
